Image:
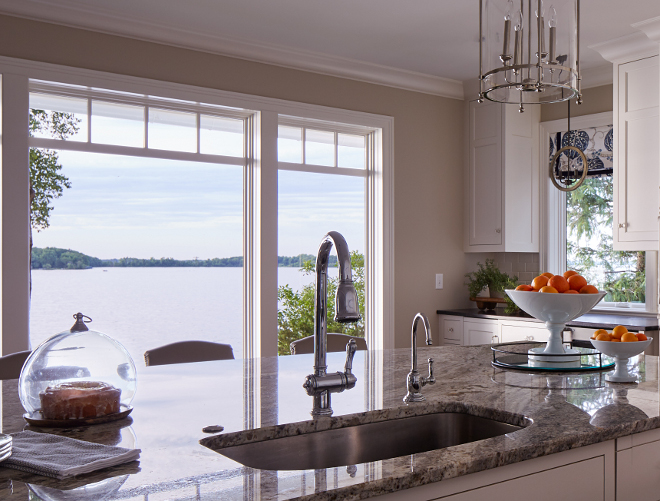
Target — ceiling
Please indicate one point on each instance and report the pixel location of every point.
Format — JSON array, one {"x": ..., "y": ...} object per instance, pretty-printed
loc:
[{"x": 433, "y": 38}]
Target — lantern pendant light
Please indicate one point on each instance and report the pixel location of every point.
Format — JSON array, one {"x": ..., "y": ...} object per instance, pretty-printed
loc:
[{"x": 542, "y": 65}]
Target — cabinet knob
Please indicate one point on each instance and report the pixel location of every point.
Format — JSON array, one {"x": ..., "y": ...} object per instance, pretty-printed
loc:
[
  {"x": 498, "y": 230},
  {"x": 623, "y": 225},
  {"x": 451, "y": 329}
]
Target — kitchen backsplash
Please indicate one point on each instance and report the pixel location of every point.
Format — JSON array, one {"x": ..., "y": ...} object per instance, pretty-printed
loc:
[{"x": 524, "y": 265}]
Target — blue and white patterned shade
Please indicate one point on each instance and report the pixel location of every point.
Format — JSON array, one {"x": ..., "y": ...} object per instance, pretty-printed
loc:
[{"x": 595, "y": 142}]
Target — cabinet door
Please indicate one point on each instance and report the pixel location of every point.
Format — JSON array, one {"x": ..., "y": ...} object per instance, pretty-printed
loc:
[
  {"x": 581, "y": 480},
  {"x": 477, "y": 331},
  {"x": 485, "y": 174},
  {"x": 638, "y": 470},
  {"x": 451, "y": 329},
  {"x": 637, "y": 156},
  {"x": 523, "y": 331}
]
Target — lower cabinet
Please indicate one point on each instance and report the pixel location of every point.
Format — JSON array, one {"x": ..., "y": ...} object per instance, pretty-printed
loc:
[
  {"x": 638, "y": 467},
  {"x": 522, "y": 331},
  {"x": 586, "y": 473},
  {"x": 450, "y": 328},
  {"x": 480, "y": 331}
]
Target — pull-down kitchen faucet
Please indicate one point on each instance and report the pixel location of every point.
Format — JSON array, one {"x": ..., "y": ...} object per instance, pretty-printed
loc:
[
  {"x": 415, "y": 382},
  {"x": 320, "y": 384}
]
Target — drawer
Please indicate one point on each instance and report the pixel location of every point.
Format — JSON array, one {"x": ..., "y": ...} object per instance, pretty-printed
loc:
[
  {"x": 480, "y": 331},
  {"x": 451, "y": 329},
  {"x": 524, "y": 331}
]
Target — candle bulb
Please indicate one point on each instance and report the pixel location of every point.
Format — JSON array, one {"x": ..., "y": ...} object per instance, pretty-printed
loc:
[
  {"x": 518, "y": 40},
  {"x": 540, "y": 15},
  {"x": 506, "y": 54},
  {"x": 553, "y": 33}
]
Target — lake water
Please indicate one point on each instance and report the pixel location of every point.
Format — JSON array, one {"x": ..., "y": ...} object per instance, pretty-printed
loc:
[{"x": 145, "y": 308}]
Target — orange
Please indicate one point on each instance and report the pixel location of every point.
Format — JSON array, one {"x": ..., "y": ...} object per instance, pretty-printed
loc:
[
  {"x": 615, "y": 340},
  {"x": 547, "y": 274},
  {"x": 628, "y": 337},
  {"x": 641, "y": 336},
  {"x": 524, "y": 287},
  {"x": 559, "y": 283},
  {"x": 571, "y": 291},
  {"x": 540, "y": 281},
  {"x": 588, "y": 289},
  {"x": 598, "y": 333},
  {"x": 619, "y": 331},
  {"x": 576, "y": 282},
  {"x": 548, "y": 288},
  {"x": 569, "y": 273},
  {"x": 604, "y": 337}
]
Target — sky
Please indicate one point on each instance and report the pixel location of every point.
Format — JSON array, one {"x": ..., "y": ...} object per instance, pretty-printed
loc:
[{"x": 121, "y": 206}]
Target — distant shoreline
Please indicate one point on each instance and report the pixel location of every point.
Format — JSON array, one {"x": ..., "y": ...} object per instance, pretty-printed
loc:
[{"x": 53, "y": 258}]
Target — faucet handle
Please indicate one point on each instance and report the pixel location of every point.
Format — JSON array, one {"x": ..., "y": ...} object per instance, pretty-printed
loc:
[
  {"x": 351, "y": 348},
  {"x": 430, "y": 379}
]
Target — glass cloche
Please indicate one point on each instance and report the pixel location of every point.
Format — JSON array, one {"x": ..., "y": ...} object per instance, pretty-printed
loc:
[{"x": 77, "y": 375}]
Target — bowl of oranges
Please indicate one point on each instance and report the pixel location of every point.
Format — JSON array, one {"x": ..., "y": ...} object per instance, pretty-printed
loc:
[
  {"x": 556, "y": 299},
  {"x": 620, "y": 345}
]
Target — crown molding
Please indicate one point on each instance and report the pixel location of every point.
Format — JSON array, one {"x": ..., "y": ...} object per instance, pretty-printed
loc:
[
  {"x": 626, "y": 48},
  {"x": 595, "y": 77},
  {"x": 75, "y": 15},
  {"x": 650, "y": 27}
]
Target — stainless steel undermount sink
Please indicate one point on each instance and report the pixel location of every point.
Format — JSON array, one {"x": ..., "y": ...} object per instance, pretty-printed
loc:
[{"x": 366, "y": 442}]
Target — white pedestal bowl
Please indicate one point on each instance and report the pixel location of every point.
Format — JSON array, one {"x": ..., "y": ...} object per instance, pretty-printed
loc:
[
  {"x": 555, "y": 310},
  {"x": 621, "y": 352}
]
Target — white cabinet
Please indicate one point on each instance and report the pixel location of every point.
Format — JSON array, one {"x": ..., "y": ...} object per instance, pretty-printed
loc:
[
  {"x": 502, "y": 213},
  {"x": 521, "y": 330},
  {"x": 585, "y": 473},
  {"x": 636, "y": 161},
  {"x": 450, "y": 328},
  {"x": 638, "y": 466},
  {"x": 480, "y": 331}
]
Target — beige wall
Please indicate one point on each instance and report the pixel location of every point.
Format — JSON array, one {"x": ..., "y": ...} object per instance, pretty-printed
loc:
[
  {"x": 594, "y": 100},
  {"x": 428, "y": 176}
]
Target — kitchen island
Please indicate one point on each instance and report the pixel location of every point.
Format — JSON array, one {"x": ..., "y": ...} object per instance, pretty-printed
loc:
[{"x": 579, "y": 420}]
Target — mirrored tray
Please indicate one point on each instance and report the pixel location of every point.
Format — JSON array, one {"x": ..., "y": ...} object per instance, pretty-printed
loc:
[
  {"x": 36, "y": 419},
  {"x": 515, "y": 356}
]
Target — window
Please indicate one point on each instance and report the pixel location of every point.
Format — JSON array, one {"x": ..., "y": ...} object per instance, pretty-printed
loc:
[
  {"x": 579, "y": 222},
  {"x": 323, "y": 169},
  {"x": 144, "y": 130}
]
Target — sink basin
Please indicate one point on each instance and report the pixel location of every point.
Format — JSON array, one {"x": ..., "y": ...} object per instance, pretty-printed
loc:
[{"x": 366, "y": 442}]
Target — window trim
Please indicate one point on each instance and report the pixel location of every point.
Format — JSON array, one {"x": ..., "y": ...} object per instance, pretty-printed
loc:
[
  {"x": 260, "y": 233},
  {"x": 553, "y": 205}
]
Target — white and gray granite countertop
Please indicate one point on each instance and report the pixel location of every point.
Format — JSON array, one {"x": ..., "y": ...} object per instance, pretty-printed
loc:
[{"x": 174, "y": 403}]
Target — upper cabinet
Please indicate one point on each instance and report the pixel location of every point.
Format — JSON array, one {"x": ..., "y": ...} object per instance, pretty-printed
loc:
[
  {"x": 502, "y": 183},
  {"x": 637, "y": 158}
]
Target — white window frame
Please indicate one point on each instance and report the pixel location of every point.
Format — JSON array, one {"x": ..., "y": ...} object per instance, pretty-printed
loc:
[
  {"x": 260, "y": 199},
  {"x": 553, "y": 230}
]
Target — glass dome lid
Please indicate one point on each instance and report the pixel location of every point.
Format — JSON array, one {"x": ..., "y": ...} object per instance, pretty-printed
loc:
[{"x": 77, "y": 374}]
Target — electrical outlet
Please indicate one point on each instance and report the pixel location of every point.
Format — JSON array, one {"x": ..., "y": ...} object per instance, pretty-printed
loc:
[{"x": 438, "y": 280}]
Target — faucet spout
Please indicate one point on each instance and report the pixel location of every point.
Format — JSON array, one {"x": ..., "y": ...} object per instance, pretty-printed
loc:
[
  {"x": 414, "y": 381},
  {"x": 320, "y": 384}
]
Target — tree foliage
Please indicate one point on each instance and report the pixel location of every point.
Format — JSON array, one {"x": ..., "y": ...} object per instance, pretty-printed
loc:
[
  {"x": 589, "y": 220},
  {"x": 295, "y": 318},
  {"x": 46, "y": 180}
]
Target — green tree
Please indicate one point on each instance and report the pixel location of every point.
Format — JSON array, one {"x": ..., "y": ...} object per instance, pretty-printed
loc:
[
  {"x": 46, "y": 180},
  {"x": 295, "y": 318},
  {"x": 589, "y": 244}
]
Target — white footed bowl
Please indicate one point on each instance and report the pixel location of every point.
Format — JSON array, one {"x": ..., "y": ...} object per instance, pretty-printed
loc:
[
  {"x": 555, "y": 308},
  {"x": 621, "y": 350}
]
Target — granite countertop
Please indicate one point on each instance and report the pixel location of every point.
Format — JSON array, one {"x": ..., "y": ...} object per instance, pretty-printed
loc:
[
  {"x": 174, "y": 403},
  {"x": 590, "y": 320}
]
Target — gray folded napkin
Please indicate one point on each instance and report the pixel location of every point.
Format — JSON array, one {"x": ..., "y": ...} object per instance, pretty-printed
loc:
[{"x": 63, "y": 457}]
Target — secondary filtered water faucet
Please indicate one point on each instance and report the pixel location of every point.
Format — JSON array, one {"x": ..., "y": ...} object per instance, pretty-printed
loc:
[
  {"x": 415, "y": 382},
  {"x": 320, "y": 384}
]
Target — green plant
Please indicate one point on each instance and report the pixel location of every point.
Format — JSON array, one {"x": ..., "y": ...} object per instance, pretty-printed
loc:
[
  {"x": 295, "y": 318},
  {"x": 511, "y": 307},
  {"x": 488, "y": 275}
]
